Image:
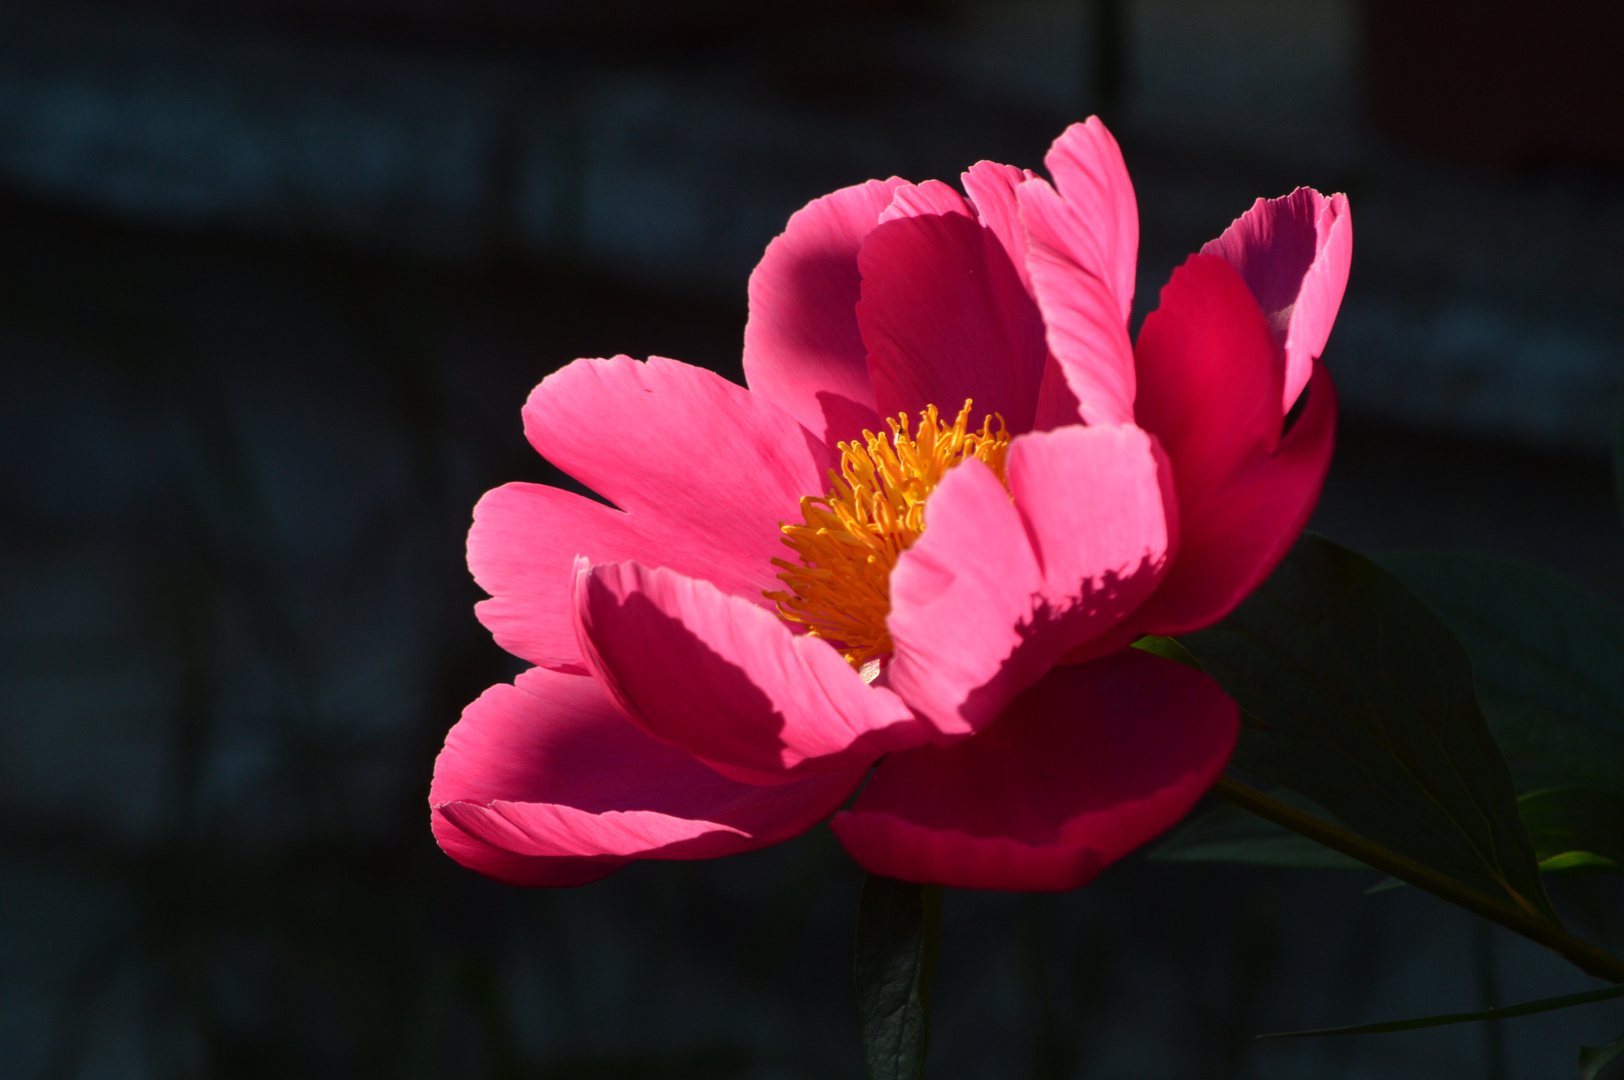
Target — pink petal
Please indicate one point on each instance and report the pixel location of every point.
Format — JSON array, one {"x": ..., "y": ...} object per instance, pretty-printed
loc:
[
  {"x": 927, "y": 199},
  {"x": 1099, "y": 506},
  {"x": 961, "y": 598},
  {"x": 991, "y": 188},
  {"x": 1081, "y": 769},
  {"x": 728, "y": 682},
  {"x": 999, "y": 588},
  {"x": 945, "y": 315},
  {"x": 1084, "y": 244},
  {"x": 1087, "y": 167},
  {"x": 802, "y": 349},
  {"x": 545, "y": 783},
  {"x": 1294, "y": 253},
  {"x": 522, "y": 550},
  {"x": 511, "y": 868},
  {"x": 1210, "y": 389},
  {"x": 683, "y": 451}
]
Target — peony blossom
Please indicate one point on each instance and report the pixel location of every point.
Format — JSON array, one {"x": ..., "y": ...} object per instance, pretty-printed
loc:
[{"x": 915, "y": 551}]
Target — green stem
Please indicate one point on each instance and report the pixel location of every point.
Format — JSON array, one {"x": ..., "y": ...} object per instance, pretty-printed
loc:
[{"x": 1588, "y": 958}]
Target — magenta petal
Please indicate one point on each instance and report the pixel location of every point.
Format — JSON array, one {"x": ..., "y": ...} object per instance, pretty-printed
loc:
[
  {"x": 1081, "y": 769},
  {"x": 1099, "y": 507},
  {"x": 1084, "y": 243},
  {"x": 545, "y": 783},
  {"x": 802, "y": 349},
  {"x": 728, "y": 682},
  {"x": 522, "y": 550},
  {"x": 680, "y": 449},
  {"x": 512, "y": 868},
  {"x": 1210, "y": 377},
  {"x": 991, "y": 188},
  {"x": 1087, "y": 167},
  {"x": 1002, "y": 585},
  {"x": 945, "y": 314},
  {"x": 1293, "y": 253},
  {"x": 1210, "y": 390},
  {"x": 1230, "y": 545},
  {"x": 961, "y": 600}
]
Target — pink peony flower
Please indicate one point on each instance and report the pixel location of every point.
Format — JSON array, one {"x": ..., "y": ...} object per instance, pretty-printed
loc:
[{"x": 781, "y": 603}]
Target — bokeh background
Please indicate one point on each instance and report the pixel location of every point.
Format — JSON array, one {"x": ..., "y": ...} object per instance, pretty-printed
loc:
[{"x": 275, "y": 278}]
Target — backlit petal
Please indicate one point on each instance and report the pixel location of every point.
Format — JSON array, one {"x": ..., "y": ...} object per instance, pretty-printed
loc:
[
  {"x": 1088, "y": 170},
  {"x": 1084, "y": 235},
  {"x": 1293, "y": 252}
]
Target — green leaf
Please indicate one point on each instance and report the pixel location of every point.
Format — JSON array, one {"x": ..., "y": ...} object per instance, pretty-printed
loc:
[
  {"x": 1363, "y": 703},
  {"x": 1548, "y": 655},
  {"x": 1229, "y": 834},
  {"x": 1546, "y": 749},
  {"x": 1504, "y": 1012},
  {"x": 899, "y": 926},
  {"x": 1575, "y": 828},
  {"x": 1593, "y": 1059}
]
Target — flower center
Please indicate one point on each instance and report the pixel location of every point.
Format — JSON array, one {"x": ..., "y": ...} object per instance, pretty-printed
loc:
[{"x": 849, "y": 539}]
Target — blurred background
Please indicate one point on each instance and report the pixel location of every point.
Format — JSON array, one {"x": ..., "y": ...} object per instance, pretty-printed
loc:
[{"x": 275, "y": 278}]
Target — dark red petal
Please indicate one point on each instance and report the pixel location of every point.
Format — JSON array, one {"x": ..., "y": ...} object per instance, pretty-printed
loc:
[
  {"x": 1083, "y": 768},
  {"x": 1230, "y": 544},
  {"x": 1210, "y": 377}
]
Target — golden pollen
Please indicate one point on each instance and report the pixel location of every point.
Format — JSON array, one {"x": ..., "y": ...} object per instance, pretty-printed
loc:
[{"x": 848, "y": 540}]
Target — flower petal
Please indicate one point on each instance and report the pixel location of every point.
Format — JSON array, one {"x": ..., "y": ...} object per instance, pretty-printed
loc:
[
  {"x": 1099, "y": 506},
  {"x": 728, "y": 682},
  {"x": 961, "y": 598},
  {"x": 522, "y": 550},
  {"x": 1002, "y": 584},
  {"x": 680, "y": 449},
  {"x": 1084, "y": 244},
  {"x": 1293, "y": 253},
  {"x": 1081, "y": 769},
  {"x": 992, "y": 188},
  {"x": 512, "y": 868},
  {"x": 945, "y": 315},
  {"x": 1210, "y": 390},
  {"x": 802, "y": 348},
  {"x": 545, "y": 783},
  {"x": 1088, "y": 170}
]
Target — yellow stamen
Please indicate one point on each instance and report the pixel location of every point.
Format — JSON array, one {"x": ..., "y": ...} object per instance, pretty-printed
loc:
[{"x": 849, "y": 540}]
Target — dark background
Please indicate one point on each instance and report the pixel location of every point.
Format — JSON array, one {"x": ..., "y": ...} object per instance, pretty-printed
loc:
[{"x": 275, "y": 278}]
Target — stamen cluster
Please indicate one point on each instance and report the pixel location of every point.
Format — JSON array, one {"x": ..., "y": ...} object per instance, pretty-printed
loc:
[{"x": 849, "y": 539}]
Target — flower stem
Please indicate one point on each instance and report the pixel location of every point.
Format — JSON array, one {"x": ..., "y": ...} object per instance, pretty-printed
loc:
[{"x": 1587, "y": 957}]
